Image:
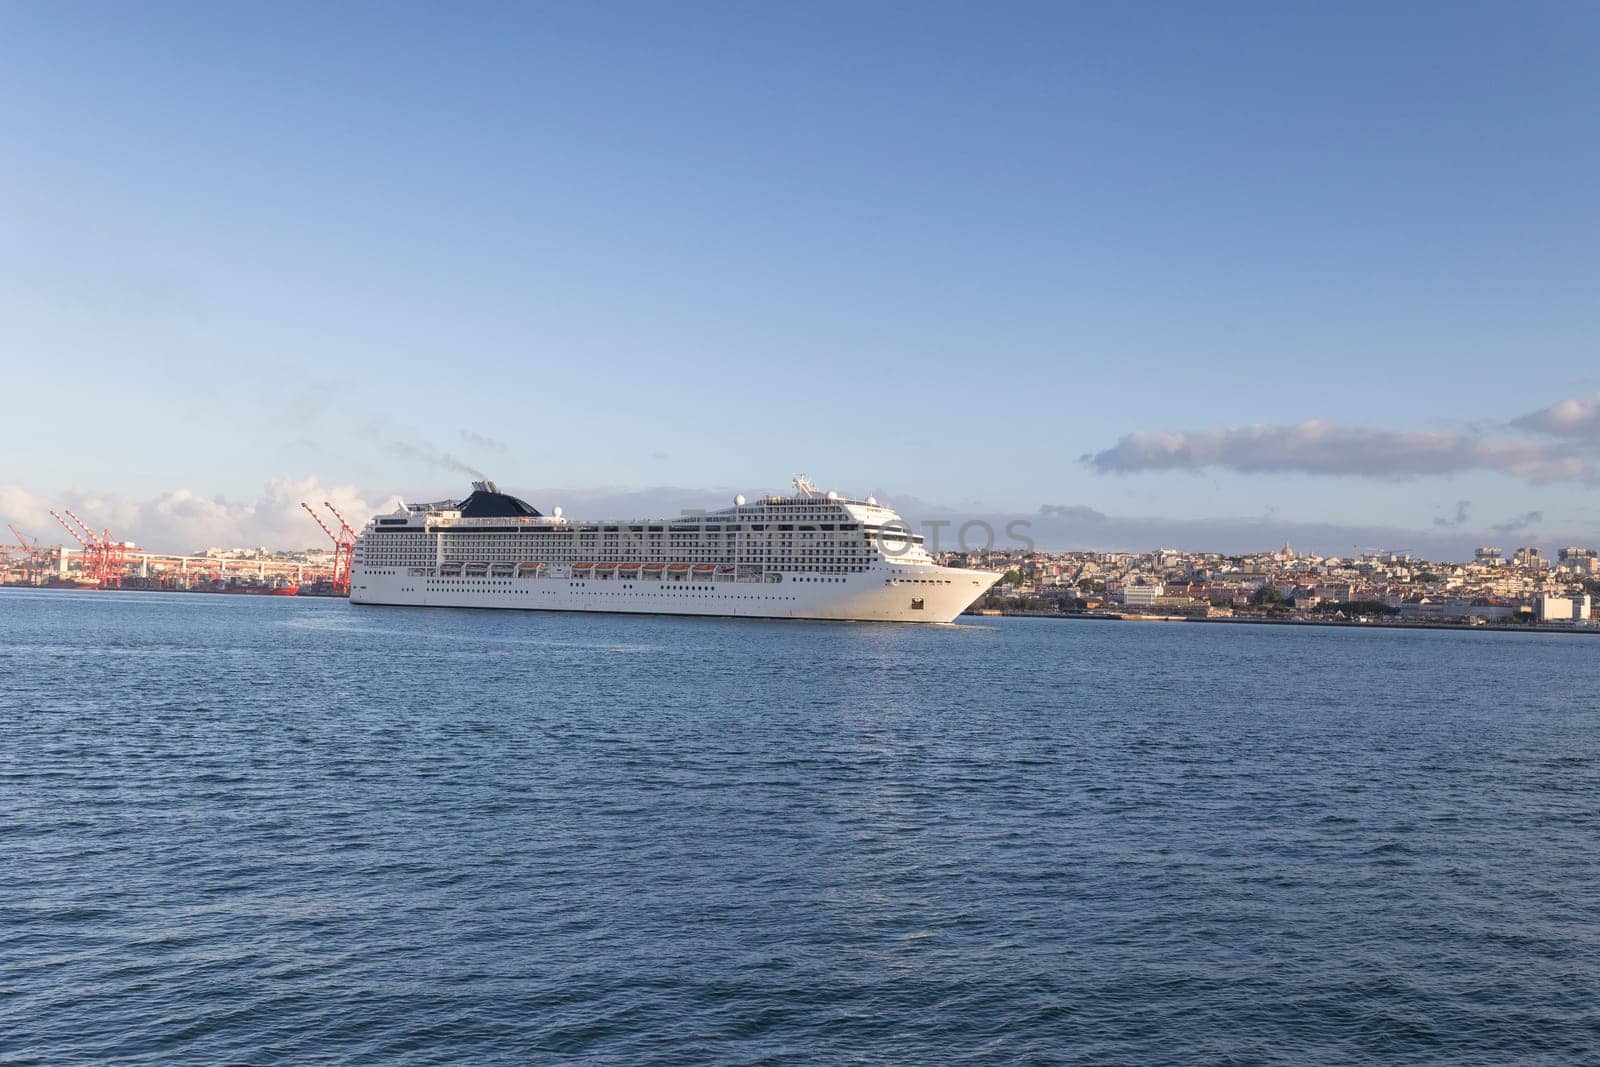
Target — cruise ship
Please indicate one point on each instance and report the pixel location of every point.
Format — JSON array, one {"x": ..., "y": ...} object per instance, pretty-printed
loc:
[{"x": 809, "y": 555}]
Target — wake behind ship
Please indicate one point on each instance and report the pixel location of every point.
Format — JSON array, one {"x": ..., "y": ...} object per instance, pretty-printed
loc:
[{"x": 811, "y": 555}]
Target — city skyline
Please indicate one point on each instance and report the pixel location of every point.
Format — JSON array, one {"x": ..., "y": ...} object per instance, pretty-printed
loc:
[{"x": 1147, "y": 275}]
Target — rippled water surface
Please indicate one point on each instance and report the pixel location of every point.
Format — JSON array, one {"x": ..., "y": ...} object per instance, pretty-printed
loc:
[{"x": 258, "y": 830}]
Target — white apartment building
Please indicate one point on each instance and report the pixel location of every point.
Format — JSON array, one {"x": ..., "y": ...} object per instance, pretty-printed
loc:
[{"x": 1142, "y": 596}]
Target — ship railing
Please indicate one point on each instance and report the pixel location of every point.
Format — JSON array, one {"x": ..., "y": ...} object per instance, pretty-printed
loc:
[
  {"x": 452, "y": 522},
  {"x": 638, "y": 570}
]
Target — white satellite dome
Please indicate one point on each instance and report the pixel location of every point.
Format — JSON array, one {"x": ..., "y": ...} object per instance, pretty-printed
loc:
[
  {"x": 872, "y": 500},
  {"x": 738, "y": 501},
  {"x": 833, "y": 494},
  {"x": 556, "y": 511}
]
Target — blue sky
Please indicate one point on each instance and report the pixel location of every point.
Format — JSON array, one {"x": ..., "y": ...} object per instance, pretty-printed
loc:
[{"x": 942, "y": 251}]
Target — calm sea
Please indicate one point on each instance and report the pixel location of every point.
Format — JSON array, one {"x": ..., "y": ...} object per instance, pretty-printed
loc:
[{"x": 260, "y": 830}]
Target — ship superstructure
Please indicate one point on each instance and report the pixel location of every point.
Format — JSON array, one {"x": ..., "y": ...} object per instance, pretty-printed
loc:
[{"x": 810, "y": 555}]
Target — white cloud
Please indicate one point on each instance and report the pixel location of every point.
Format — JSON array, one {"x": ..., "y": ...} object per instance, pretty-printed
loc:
[
  {"x": 180, "y": 520},
  {"x": 1573, "y": 419},
  {"x": 1326, "y": 448}
]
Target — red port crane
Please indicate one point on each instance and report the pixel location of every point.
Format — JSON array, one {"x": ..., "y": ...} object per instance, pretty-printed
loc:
[
  {"x": 104, "y": 557},
  {"x": 344, "y": 547},
  {"x": 344, "y": 527},
  {"x": 76, "y": 536},
  {"x": 22, "y": 538},
  {"x": 89, "y": 568},
  {"x": 346, "y": 544},
  {"x": 7, "y": 551},
  {"x": 110, "y": 556},
  {"x": 36, "y": 555},
  {"x": 88, "y": 531}
]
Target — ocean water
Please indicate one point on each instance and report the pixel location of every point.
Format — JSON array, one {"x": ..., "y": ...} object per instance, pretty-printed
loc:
[{"x": 263, "y": 830}]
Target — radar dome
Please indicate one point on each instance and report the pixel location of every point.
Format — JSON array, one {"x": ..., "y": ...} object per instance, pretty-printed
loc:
[
  {"x": 556, "y": 511},
  {"x": 738, "y": 501},
  {"x": 872, "y": 500},
  {"x": 833, "y": 494}
]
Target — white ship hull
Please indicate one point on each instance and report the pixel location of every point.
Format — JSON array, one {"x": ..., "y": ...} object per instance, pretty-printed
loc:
[
  {"x": 885, "y": 593},
  {"x": 807, "y": 556}
]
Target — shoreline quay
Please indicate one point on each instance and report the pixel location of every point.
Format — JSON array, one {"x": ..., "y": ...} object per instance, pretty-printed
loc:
[{"x": 1433, "y": 624}]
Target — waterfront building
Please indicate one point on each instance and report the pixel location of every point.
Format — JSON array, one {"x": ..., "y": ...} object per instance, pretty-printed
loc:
[
  {"x": 1564, "y": 609},
  {"x": 1142, "y": 596}
]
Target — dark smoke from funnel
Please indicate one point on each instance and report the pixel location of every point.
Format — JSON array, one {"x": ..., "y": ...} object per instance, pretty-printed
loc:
[{"x": 428, "y": 454}]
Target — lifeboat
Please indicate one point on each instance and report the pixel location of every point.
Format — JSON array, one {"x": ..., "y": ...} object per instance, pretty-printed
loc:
[
  {"x": 576, "y": 567},
  {"x": 704, "y": 568},
  {"x": 654, "y": 568},
  {"x": 606, "y": 566},
  {"x": 677, "y": 568}
]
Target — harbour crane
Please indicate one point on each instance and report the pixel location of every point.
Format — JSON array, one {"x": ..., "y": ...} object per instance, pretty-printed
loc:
[
  {"x": 343, "y": 548},
  {"x": 345, "y": 544},
  {"x": 344, "y": 527},
  {"x": 88, "y": 531},
  {"x": 26, "y": 548},
  {"x": 104, "y": 557},
  {"x": 89, "y": 560},
  {"x": 35, "y": 553},
  {"x": 318, "y": 520},
  {"x": 22, "y": 539},
  {"x": 76, "y": 536}
]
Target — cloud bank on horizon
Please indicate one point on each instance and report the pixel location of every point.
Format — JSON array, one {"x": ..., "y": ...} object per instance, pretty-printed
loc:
[
  {"x": 182, "y": 521},
  {"x": 1569, "y": 452},
  {"x": 1561, "y": 445}
]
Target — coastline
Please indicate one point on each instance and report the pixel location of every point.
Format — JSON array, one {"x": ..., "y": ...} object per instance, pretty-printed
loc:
[{"x": 1521, "y": 628}]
